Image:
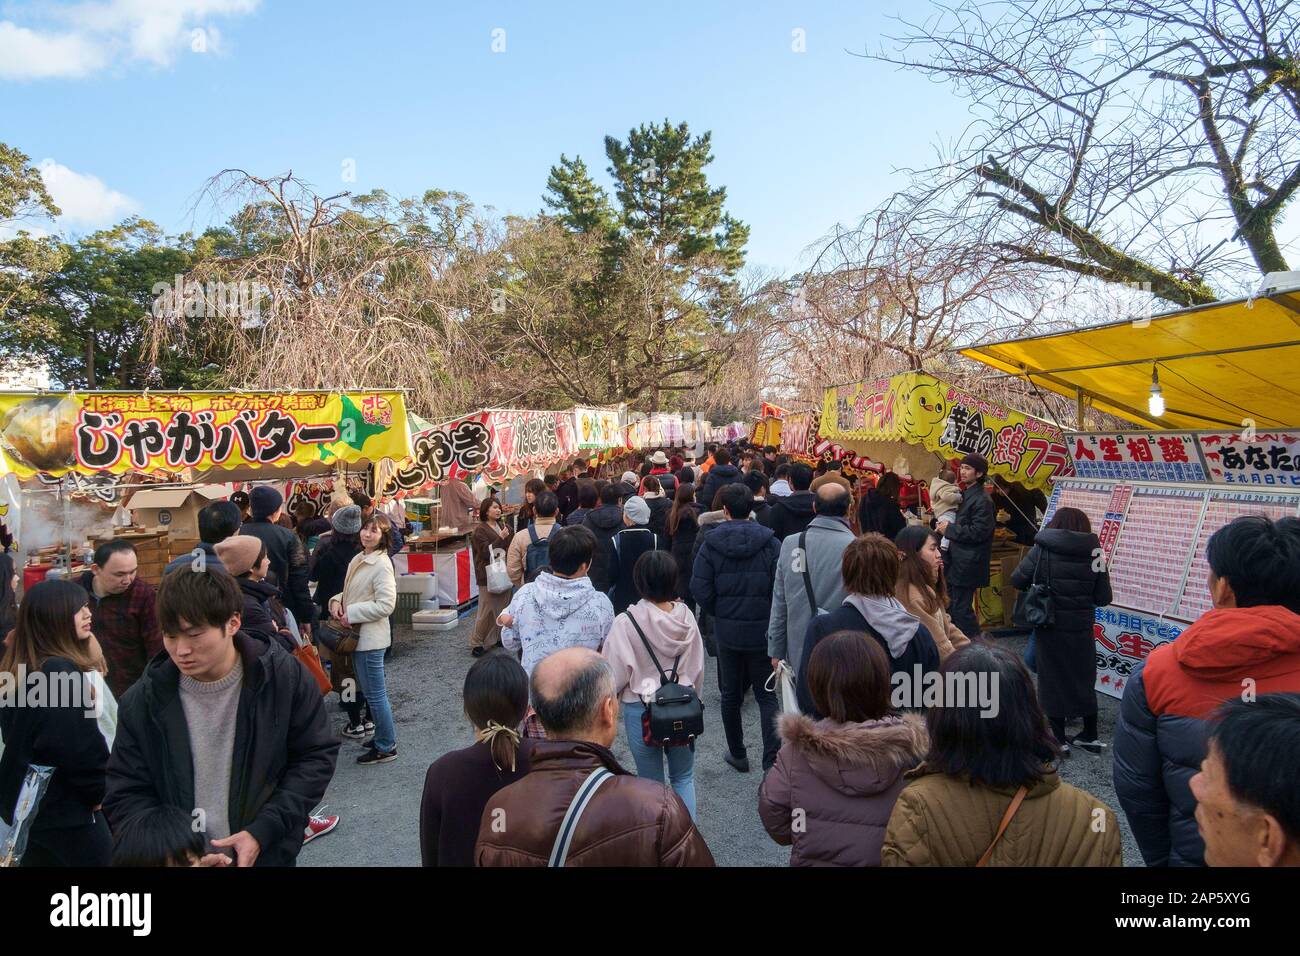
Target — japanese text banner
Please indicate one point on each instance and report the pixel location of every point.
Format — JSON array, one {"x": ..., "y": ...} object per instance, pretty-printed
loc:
[
  {"x": 917, "y": 408},
  {"x": 496, "y": 444},
  {"x": 120, "y": 432}
]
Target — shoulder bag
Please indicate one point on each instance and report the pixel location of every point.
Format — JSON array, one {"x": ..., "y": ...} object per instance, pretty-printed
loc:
[
  {"x": 1016, "y": 801},
  {"x": 674, "y": 716},
  {"x": 569, "y": 825},
  {"x": 1035, "y": 605}
]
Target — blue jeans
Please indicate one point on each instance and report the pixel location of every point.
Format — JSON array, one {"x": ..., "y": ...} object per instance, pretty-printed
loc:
[
  {"x": 650, "y": 760},
  {"x": 1031, "y": 652},
  {"x": 369, "y": 666}
]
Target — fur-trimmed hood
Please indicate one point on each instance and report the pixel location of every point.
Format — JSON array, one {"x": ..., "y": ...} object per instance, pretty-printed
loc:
[{"x": 857, "y": 759}]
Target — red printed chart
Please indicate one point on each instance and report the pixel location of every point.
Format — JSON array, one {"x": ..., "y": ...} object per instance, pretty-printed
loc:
[
  {"x": 1147, "y": 567},
  {"x": 1223, "y": 507}
]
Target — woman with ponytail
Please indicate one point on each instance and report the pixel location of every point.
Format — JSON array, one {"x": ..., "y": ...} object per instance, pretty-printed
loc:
[{"x": 459, "y": 784}]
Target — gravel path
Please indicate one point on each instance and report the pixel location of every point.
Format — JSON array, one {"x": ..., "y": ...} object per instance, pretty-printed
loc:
[{"x": 379, "y": 805}]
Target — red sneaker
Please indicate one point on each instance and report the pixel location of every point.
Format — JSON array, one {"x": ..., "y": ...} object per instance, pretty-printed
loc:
[{"x": 319, "y": 826}]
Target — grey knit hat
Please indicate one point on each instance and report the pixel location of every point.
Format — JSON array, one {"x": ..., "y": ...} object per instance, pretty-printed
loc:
[{"x": 347, "y": 520}]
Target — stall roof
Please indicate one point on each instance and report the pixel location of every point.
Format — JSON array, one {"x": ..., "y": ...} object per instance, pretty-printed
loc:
[{"x": 1219, "y": 364}]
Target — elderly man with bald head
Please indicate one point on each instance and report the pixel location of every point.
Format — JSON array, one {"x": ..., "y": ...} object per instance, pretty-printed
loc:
[{"x": 577, "y": 806}]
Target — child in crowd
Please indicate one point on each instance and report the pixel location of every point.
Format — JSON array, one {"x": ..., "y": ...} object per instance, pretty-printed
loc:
[{"x": 945, "y": 498}]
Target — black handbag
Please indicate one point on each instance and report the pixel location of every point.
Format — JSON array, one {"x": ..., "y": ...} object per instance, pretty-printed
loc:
[
  {"x": 1036, "y": 607},
  {"x": 674, "y": 717}
]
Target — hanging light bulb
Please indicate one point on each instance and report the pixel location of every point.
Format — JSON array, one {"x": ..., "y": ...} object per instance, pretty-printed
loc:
[{"x": 1156, "y": 403}]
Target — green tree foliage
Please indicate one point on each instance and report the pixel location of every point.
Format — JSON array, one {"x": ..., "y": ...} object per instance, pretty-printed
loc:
[
  {"x": 97, "y": 304},
  {"x": 24, "y": 258},
  {"x": 651, "y": 315}
]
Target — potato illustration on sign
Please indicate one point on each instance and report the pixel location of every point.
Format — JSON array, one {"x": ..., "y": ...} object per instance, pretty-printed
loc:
[{"x": 39, "y": 432}]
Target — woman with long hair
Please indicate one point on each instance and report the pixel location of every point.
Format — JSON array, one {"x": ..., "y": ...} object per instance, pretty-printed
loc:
[
  {"x": 52, "y": 638},
  {"x": 988, "y": 793},
  {"x": 1064, "y": 558},
  {"x": 368, "y": 597},
  {"x": 845, "y": 771},
  {"x": 921, "y": 587},
  {"x": 682, "y": 527},
  {"x": 458, "y": 785},
  {"x": 490, "y": 535},
  {"x": 661, "y": 621},
  {"x": 527, "y": 513}
]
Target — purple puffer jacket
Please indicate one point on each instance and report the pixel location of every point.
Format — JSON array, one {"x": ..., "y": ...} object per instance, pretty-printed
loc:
[{"x": 834, "y": 785}]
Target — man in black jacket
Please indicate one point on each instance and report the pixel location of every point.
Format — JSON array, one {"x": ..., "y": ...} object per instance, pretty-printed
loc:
[
  {"x": 732, "y": 579},
  {"x": 971, "y": 534},
  {"x": 605, "y": 522},
  {"x": 287, "y": 555},
  {"x": 722, "y": 473},
  {"x": 792, "y": 513},
  {"x": 567, "y": 491},
  {"x": 225, "y": 726}
]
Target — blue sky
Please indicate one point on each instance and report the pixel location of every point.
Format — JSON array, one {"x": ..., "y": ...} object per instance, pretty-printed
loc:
[{"x": 414, "y": 94}]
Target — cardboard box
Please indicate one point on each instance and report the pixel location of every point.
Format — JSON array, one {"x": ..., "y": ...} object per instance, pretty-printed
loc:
[{"x": 174, "y": 509}]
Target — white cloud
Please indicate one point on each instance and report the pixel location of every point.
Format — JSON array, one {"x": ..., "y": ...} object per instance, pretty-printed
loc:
[
  {"x": 83, "y": 199},
  {"x": 28, "y": 55},
  {"x": 79, "y": 39}
]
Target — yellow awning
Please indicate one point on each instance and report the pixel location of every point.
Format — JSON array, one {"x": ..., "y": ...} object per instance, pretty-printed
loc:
[{"x": 1218, "y": 364}]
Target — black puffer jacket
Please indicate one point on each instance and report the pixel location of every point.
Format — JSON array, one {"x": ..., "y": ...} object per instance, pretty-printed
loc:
[
  {"x": 790, "y": 514},
  {"x": 659, "y": 509},
  {"x": 718, "y": 476},
  {"x": 282, "y": 761},
  {"x": 288, "y": 567},
  {"x": 1077, "y": 590},
  {"x": 604, "y": 522},
  {"x": 971, "y": 534},
  {"x": 329, "y": 567},
  {"x": 732, "y": 579}
]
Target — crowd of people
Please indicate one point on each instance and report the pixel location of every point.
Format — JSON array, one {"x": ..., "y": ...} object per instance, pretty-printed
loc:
[{"x": 601, "y": 598}]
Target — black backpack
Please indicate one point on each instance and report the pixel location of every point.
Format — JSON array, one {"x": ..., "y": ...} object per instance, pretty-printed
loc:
[
  {"x": 675, "y": 716},
  {"x": 538, "y": 557}
]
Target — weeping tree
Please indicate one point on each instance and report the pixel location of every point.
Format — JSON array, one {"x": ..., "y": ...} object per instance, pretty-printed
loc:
[
  {"x": 1126, "y": 141},
  {"x": 309, "y": 291}
]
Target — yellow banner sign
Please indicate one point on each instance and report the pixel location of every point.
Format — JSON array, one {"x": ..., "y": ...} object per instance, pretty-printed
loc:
[
  {"x": 119, "y": 432},
  {"x": 919, "y": 409}
]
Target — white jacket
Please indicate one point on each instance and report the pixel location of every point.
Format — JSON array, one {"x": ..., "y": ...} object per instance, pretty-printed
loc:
[
  {"x": 369, "y": 596},
  {"x": 552, "y": 613}
]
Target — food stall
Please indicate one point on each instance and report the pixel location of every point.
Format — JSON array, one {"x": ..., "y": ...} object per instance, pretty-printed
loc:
[
  {"x": 75, "y": 463},
  {"x": 497, "y": 444},
  {"x": 913, "y": 423},
  {"x": 1211, "y": 391}
]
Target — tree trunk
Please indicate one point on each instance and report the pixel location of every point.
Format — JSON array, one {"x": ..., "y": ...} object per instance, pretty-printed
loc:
[{"x": 90, "y": 360}]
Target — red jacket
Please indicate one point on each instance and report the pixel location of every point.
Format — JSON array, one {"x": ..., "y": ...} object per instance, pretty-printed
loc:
[{"x": 1160, "y": 736}]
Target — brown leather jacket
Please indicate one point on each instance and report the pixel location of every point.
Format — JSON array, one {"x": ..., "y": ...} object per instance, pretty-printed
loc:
[{"x": 629, "y": 821}]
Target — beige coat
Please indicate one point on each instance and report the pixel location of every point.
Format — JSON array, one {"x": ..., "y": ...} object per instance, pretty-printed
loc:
[
  {"x": 369, "y": 596},
  {"x": 947, "y": 635},
  {"x": 517, "y": 554},
  {"x": 941, "y": 820}
]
